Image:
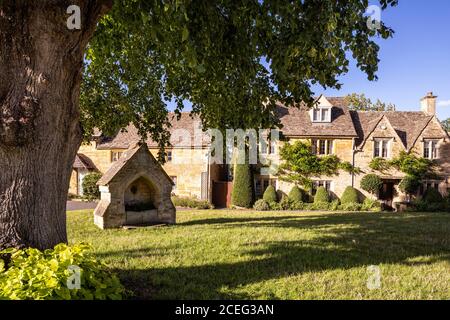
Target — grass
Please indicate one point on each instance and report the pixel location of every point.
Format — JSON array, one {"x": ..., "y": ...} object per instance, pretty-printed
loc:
[{"x": 251, "y": 255}]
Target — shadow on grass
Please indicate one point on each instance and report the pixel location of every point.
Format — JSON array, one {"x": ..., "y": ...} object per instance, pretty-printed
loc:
[{"x": 350, "y": 240}]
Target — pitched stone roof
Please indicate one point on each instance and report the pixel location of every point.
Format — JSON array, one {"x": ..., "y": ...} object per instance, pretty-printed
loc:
[
  {"x": 190, "y": 126},
  {"x": 121, "y": 163},
  {"x": 297, "y": 122},
  {"x": 83, "y": 162},
  {"x": 408, "y": 125}
]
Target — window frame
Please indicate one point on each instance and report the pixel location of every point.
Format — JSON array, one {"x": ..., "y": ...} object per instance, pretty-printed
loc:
[
  {"x": 379, "y": 150},
  {"x": 432, "y": 146},
  {"x": 316, "y": 147},
  {"x": 116, "y": 155},
  {"x": 321, "y": 114}
]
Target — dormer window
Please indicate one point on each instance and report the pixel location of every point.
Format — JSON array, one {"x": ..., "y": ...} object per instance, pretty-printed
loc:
[
  {"x": 430, "y": 150},
  {"x": 321, "y": 114}
]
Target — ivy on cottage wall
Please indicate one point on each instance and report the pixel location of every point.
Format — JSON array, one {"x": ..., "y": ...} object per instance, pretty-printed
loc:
[
  {"x": 299, "y": 165},
  {"x": 415, "y": 168}
]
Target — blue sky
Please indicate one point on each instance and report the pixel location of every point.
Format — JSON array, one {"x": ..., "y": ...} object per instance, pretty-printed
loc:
[{"x": 416, "y": 60}]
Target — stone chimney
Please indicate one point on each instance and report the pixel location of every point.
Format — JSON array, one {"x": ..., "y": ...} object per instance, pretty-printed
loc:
[{"x": 428, "y": 104}]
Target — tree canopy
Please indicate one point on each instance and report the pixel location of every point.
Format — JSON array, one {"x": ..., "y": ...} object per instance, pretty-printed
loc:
[
  {"x": 231, "y": 59},
  {"x": 361, "y": 102}
]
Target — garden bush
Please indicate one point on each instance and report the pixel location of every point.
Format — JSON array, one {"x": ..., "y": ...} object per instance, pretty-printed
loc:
[
  {"x": 261, "y": 205},
  {"x": 275, "y": 206},
  {"x": 321, "y": 196},
  {"x": 89, "y": 185},
  {"x": 296, "y": 194},
  {"x": 409, "y": 185},
  {"x": 351, "y": 206},
  {"x": 350, "y": 195},
  {"x": 297, "y": 205},
  {"x": 371, "y": 205},
  {"x": 432, "y": 195},
  {"x": 371, "y": 183},
  {"x": 194, "y": 203},
  {"x": 270, "y": 195},
  {"x": 285, "y": 203},
  {"x": 30, "y": 274},
  {"x": 324, "y": 206},
  {"x": 334, "y": 205},
  {"x": 243, "y": 193}
]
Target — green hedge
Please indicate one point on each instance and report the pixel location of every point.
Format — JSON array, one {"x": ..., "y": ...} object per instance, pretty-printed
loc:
[
  {"x": 90, "y": 188},
  {"x": 296, "y": 194},
  {"x": 321, "y": 196},
  {"x": 30, "y": 274},
  {"x": 270, "y": 195},
  {"x": 243, "y": 194},
  {"x": 371, "y": 183},
  {"x": 350, "y": 195}
]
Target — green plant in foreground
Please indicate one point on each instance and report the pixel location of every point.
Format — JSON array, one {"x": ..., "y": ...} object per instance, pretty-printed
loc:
[
  {"x": 243, "y": 193},
  {"x": 31, "y": 274},
  {"x": 321, "y": 196},
  {"x": 371, "y": 183},
  {"x": 350, "y": 195},
  {"x": 270, "y": 195}
]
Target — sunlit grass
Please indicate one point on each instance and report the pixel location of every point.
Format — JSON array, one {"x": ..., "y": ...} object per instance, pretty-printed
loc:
[{"x": 273, "y": 255}]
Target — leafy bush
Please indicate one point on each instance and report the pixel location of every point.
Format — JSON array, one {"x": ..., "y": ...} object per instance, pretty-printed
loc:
[
  {"x": 296, "y": 194},
  {"x": 243, "y": 193},
  {"x": 270, "y": 195},
  {"x": 371, "y": 205},
  {"x": 31, "y": 274},
  {"x": 409, "y": 184},
  {"x": 275, "y": 206},
  {"x": 318, "y": 206},
  {"x": 432, "y": 195},
  {"x": 334, "y": 205},
  {"x": 350, "y": 195},
  {"x": 321, "y": 195},
  {"x": 424, "y": 206},
  {"x": 352, "y": 206},
  {"x": 297, "y": 205},
  {"x": 379, "y": 164},
  {"x": 185, "y": 202},
  {"x": 90, "y": 188},
  {"x": 261, "y": 205},
  {"x": 285, "y": 203},
  {"x": 371, "y": 183}
]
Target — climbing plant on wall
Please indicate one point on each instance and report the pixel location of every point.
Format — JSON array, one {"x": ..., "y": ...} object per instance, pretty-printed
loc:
[{"x": 299, "y": 164}]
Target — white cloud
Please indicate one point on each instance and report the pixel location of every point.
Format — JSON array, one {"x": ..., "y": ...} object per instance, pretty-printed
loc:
[{"x": 444, "y": 103}]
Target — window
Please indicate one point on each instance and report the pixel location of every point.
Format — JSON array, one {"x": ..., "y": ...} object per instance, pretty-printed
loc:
[
  {"x": 115, "y": 155},
  {"x": 169, "y": 156},
  {"x": 430, "y": 150},
  {"x": 381, "y": 148},
  {"x": 322, "y": 146},
  {"x": 322, "y": 183},
  {"x": 321, "y": 115},
  {"x": 174, "y": 179}
]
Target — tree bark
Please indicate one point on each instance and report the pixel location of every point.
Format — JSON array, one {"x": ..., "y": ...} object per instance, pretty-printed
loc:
[{"x": 40, "y": 74}]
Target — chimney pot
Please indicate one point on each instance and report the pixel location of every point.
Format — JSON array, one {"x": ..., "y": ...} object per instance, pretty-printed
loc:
[{"x": 428, "y": 104}]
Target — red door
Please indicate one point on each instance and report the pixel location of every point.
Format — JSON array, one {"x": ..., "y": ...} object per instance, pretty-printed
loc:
[{"x": 221, "y": 195}]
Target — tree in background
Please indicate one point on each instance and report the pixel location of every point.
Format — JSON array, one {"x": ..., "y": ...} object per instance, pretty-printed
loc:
[
  {"x": 142, "y": 54},
  {"x": 359, "y": 102},
  {"x": 446, "y": 124}
]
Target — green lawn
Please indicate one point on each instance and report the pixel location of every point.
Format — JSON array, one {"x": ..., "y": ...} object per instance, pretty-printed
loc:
[{"x": 249, "y": 255}]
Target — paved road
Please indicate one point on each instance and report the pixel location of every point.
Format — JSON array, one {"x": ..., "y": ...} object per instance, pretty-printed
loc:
[{"x": 80, "y": 205}]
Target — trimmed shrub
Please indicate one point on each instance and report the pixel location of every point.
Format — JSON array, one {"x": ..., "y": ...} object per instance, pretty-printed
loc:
[
  {"x": 350, "y": 195},
  {"x": 270, "y": 195},
  {"x": 89, "y": 185},
  {"x": 371, "y": 205},
  {"x": 261, "y": 205},
  {"x": 243, "y": 194},
  {"x": 321, "y": 196},
  {"x": 409, "y": 185},
  {"x": 296, "y": 194},
  {"x": 323, "y": 206},
  {"x": 275, "y": 206},
  {"x": 432, "y": 196},
  {"x": 30, "y": 274},
  {"x": 371, "y": 183}
]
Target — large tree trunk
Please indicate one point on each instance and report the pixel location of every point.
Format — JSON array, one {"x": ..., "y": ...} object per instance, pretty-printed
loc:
[{"x": 40, "y": 74}]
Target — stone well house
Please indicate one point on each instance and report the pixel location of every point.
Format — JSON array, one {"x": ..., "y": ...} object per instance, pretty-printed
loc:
[{"x": 353, "y": 136}]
